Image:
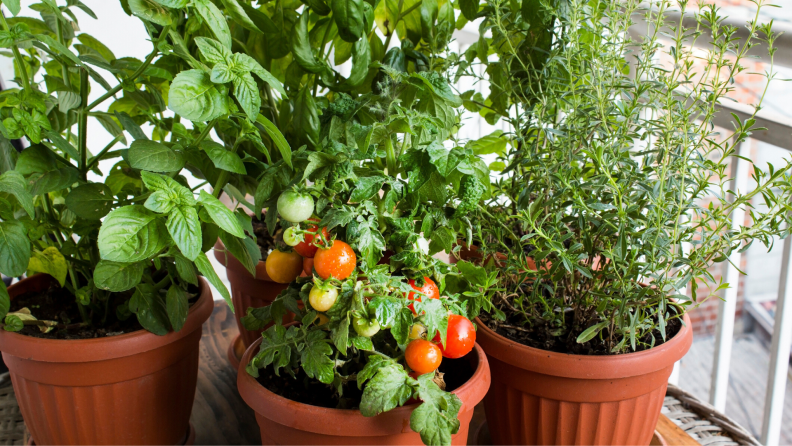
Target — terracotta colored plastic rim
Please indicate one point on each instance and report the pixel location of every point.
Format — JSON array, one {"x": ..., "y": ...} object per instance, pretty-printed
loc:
[
  {"x": 586, "y": 366},
  {"x": 100, "y": 349},
  {"x": 235, "y": 345},
  {"x": 283, "y": 411}
]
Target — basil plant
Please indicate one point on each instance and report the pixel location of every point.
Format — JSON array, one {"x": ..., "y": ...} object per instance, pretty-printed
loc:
[{"x": 133, "y": 241}]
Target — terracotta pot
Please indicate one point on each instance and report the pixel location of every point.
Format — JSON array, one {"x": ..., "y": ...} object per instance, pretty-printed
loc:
[
  {"x": 543, "y": 397},
  {"x": 247, "y": 291},
  {"x": 135, "y": 388},
  {"x": 283, "y": 421}
]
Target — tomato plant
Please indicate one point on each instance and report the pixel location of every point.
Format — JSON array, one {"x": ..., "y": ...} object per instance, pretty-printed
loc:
[
  {"x": 429, "y": 289},
  {"x": 308, "y": 246}
]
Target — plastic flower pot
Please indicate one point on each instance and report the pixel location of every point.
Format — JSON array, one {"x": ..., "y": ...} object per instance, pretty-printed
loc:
[
  {"x": 134, "y": 388},
  {"x": 283, "y": 421},
  {"x": 543, "y": 397}
]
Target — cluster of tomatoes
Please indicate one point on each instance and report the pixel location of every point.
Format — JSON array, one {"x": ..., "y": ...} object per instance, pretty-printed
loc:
[{"x": 315, "y": 251}]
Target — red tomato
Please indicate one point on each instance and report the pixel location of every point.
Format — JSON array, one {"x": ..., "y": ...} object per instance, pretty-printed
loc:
[
  {"x": 306, "y": 248},
  {"x": 423, "y": 356},
  {"x": 429, "y": 288},
  {"x": 337, "y": 261},
  {"x": 460, "y": 337},
  {"x": 308, "y": 266}
]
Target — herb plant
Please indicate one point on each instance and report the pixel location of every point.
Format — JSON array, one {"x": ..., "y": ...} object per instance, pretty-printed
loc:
[
  {"x": 615, "y": 196},
  {"x": 137, "y": 238}
]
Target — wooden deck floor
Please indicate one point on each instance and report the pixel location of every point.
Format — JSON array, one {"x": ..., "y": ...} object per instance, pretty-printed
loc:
[{"x": 747, "y": 382}]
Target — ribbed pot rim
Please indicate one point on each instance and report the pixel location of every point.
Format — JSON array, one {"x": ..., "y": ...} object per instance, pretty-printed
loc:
[
  {"x": 100, "y": 349},
  {"x": 231, "y": 263},
  {"x": 586, "y": 366},
  {"x": 345, "y": 422}
]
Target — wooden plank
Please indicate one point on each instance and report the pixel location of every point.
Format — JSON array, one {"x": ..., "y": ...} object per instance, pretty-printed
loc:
[
  {"x": 672, "y": 434},
  {"x": 219, "y": 415}
]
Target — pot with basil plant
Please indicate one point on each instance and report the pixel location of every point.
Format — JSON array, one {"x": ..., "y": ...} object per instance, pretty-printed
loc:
[
  {"x": 111, "y": 321},
  {"x": 617, "y": 203},
  {"x": 382, "y": 336}
]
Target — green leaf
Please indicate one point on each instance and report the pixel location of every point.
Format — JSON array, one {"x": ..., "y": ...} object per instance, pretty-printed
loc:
[
  {"x": 247, "y": 63},
  {"x": 277, "y": 137},
  {"x": 275, "y": 349},
  {"x": 186, "y": 269},
  {"x": 193, "y": 96},
  {"x": 589, "y": 333},
  {"x": 117, "y": 277},
  {"x": 236, "y": 247},
  {"x": 246, "y": 92},
  {"x": 470, "y": 8},
  {"x": 131, "y": 234},
  {"x": 305, "y": 118},
  {"x": 13, "y": 7},
  {"x": 151, "y": 11},
  {"x": 49, "y": 261},
  {"x": 366, "y": 188},
  {"x": 206, "y": 269},
  {"x": 221, "y": 215},
  {"x": 361, "y": 59},
  {"x": 389, "y": 388},
  {"x": 14, "y": 248},
  {"x": 36, "y": 159},
  {"x": 222, "y": 158},
  {"x": 474, "y": 274},
  {"x": 350, "y": 18},
  {"x": 315, "y": 357},
  {"x": 212, "y": 50},
  {"x": 14, "y": 183},
  {"x": 5, "y": 300},
  {"x": 436, "y": 418},
  {"x": 154, "y": 156},
  {"x": 442, "y": 240},
  {"x": 54, "y": 180},
  {"x": 435, "y": 317},
  {"x": 238, "y": 14},
  {"x": 91, "y": 42},
  {"x": 185, "y": 229},
  {"x": 176, "y": 4},
  {"x": 148, "y": 306},
  {"x": 176, "y": 192},
  {"x": 177, "y": 306},
  {"x": 215, "y": 19},
  {"x": 318, "y": 6},
  {"x": 303, "y": 51},
  {"x": 495, "y": 142},
  {"x": 13, "y": 323},
  {"x": 91, "y": 201}
]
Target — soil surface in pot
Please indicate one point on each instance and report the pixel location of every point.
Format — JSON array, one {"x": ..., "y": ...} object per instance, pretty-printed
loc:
[
  {"x": 305, "y": 390},
  {"x": 59, "y": 305},
  {"x": 540, "y": 336},
  {"x": 264, "y": 240}
]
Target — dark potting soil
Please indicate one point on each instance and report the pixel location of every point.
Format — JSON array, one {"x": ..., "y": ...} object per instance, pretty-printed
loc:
[
  {"x": 540, "y": 336},
  {"x": 265, "y": 241},
  {"x": 305, "y": 390}
]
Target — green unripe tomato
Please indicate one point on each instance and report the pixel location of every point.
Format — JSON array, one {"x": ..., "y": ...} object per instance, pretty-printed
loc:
[
  {"x": 322, "y": 300},
  {"x": 366, "y": 327},
  {"x": 290, "y": 236},
  {"x": 295, "y": 207}
]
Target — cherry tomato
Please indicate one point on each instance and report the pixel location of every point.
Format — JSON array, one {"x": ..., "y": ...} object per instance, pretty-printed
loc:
[
  {"x": 337, "y": 261},
  {"x": 460, "y": 337},
  {"x": 283, "y": 267},
  {"x": 306, "y": 248},
  {"x": 423, "y": 356},
  {"x": 429, "y": 289},
  {"x": 366, "y": 327},
  {"x": 417, "y": 331},
  {"x": 308, "y": 266},
  {"x": 291, "y": 238},
  {"x": 295, "y": 207},
  {"x": 322, "y": 299},
  {"x": 321, "y": 320}
]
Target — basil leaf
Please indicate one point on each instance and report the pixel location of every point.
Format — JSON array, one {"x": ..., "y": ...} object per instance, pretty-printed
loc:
[
  {"x": 90, "y": 201},
  {"x": 13, "y": 183},
  {"x": 14, "y": 248},
  {"x": 221, "y": 215},
  {"x": 153, "y": 156},
  {"x": 302, "y": 50},
  {"x": 117, "y": 277},
  {"x": 193, "y": 96},
  {"x": 185, "y": 229},
  {"x": 49, "y": 261},
  {"x": 206, "y": 269},
  {"x": 215, "y": 19},
  {"x": 277, "y": 137},
  {"x": 212, "y": 50},
  {"x": 151, "y": 11},
  {"x": 222, "y": 158},
  {"x": 306, "y": 117},
  {"x": 349, "y": 16},
  {"x": 238, "y": 14},
  {"x": 177, "y": 306},
  {"x": 130, "y": 234}
]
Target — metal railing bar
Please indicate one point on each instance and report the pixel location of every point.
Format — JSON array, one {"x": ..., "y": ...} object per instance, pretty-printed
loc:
[
  {"x": 727, "y": 307},
  {"x": 779, "y": 354}
]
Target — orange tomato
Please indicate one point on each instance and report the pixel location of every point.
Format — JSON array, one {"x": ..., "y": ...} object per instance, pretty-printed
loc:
[
  {"x": 337, "y": 261},
  {"x": 283, "y": 267},
  {"x": 423, "y": 356}
]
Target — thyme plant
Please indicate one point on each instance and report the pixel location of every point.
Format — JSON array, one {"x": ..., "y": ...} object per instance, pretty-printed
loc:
[{"x": 616, "y": 192}]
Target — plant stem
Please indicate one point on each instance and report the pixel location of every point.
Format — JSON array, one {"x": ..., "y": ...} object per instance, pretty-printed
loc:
[
  {"x": 398, "y": 17},
  {"x": 95, "y": 159},
  {"x": 17, "y": 55},
  {"x": 82, "y": 128}
]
